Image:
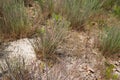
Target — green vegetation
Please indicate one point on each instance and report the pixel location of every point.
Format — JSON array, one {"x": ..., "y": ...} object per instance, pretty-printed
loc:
[
  {"x": 47, "y": 8},
  {"x": 112, "y": 6},
  {"x": 51, "y": 36},
  {"x": 108, "y": 4},
  {"x": 116, "y": 10},
  {"x": 79, "y": 11},
  {"x": 110, "y": 40},
  {"x": 75, "y": 11},
  {"x": 109, "y": 72},
  {"x": 52, "y": 20},
  {"x": 13, "y": 19}
]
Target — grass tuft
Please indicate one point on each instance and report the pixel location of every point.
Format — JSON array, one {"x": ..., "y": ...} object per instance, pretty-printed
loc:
[
  {"x": 110, "y": 40},
  {"x": 13, "y": 19},
  {"x": 76, "y": 11},
  {"x": 51, "y": 35},
  {"x": 79, "y": 11}
]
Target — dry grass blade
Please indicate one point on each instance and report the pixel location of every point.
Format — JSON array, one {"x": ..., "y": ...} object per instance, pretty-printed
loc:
[{"x": 15, "y": 69}]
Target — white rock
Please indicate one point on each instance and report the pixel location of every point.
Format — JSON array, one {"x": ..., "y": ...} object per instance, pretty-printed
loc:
[{"x": 22, "y": 48}]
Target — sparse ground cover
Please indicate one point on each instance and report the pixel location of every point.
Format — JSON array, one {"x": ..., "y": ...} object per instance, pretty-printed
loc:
[{"x": 65, "y": 40}]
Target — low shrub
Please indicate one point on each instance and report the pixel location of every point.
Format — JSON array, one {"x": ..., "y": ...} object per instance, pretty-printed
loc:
[
  {"x": 13, "y": 19},
  {"x": 51, "y": 35},
  {"x": 110, "y": 40}
]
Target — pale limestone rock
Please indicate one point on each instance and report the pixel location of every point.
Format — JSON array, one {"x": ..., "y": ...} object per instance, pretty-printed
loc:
[{"x": 21, "y": 48}]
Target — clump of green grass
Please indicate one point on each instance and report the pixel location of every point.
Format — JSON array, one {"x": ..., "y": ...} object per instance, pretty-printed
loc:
[
  {"x": 75, "y": 11},
  {"x": 51, "y": 35},
  {"x": 79, "y": 11},
  {"x": 110, "y": 40},
  {"x": 13, "y": 18},
  {"x": 49, "y": 38}
]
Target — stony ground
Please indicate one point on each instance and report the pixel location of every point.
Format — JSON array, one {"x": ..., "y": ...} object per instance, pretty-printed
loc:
[{"x": 79, "y": 57}]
